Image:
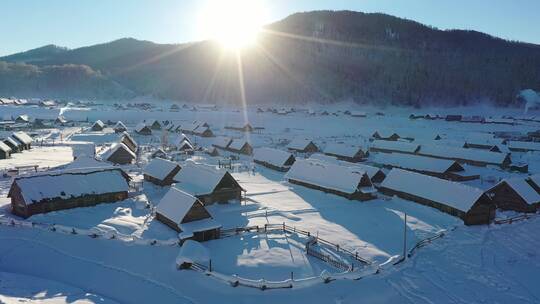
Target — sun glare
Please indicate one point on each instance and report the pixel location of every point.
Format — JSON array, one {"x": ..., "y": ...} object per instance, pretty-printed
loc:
[{"x": 235, "y": 24}]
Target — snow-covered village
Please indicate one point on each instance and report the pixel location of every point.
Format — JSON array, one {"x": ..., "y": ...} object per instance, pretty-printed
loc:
[{"x": 156, "y": 198}]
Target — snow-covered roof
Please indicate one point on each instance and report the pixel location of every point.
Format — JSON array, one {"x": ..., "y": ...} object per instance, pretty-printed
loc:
[
  {"x": 193, "y": 252},
  {"x": 159, "y": 168},
  {"x": 441, "y": 142},
  {"x": 86, "y": 161},
  {"x": 535, "y": 179},
  {"x": 272, "y": 156},
  {"x": 199, "y": 226},
  {"x": 68, "y": 184},
  {"x": 198, "y": 179},
  {"x": 175, "y": 205},
  {"x": 239, "y": 125},
  {"x": 238, "y": 144},
  {"x": 358, "y": 113},
  {"x": 384, "y": 133},
  {"x": 23, "y": 137},
  {"x": 523, "y": 189},
  {"x": 299, "y": 144},
  {"x": 140, "y": 126},
  {"x": 370, "y": 170},
  {"x": 23, "y": 117},
  {"x": 342, "y": 149},
  {"x": 398, "y": 146},
  {"x": 463, "y": 153},
  {"x": 185, "y": 145},
  {"x": 4, "y": 147},
  {"x": 222, "y": 141},
  {"x": 115, "y": 147},
  {"x": 326, "y": 175},
  {"x": 12, "y": 141},
  {"x": 524, "y": 145},
  {"x": 414, "y": 162},
  {"x": 180, "y": 138},
  {"x": 120, "y": 126},
  {"x": 455, "y": 195},
  {"x": 99, "y": 123}
]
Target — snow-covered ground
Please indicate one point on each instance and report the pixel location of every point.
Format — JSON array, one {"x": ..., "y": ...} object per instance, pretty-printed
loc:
[{"x": 482, "y": 264}]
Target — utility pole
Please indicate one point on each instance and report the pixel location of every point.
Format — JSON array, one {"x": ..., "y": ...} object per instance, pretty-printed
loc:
[{"x": 405, "y": 237}]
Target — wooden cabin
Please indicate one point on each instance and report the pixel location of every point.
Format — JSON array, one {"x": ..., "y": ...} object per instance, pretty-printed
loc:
[
  {"x": 441, "y": 168},
  {"x": 143, "y": 129},
  {"x": 302, "y": 145},
  {"x": 222, "y": 142},
  {"x": 98, "y": 126},
  {"x": 5, "y": 151},
  {"x": 240, "y": 146},
  {"x": 22, "y": 119},
  {"x": 349, "y": 182},
  {"x": 376, "y": 175},
  {"x": 273, "y": 158},
  {"x": 387, "y": 146},
  {"x": 208, "y": 184},
  {"x": 119, "y": 127},
  {"x": 385, "y": 135},
  {"x": 452, "y": 117},
  {"x": 119, "y": 154},
  {"x": 468, "y": 156},
  {"x": 212, "y": 151},
  {"x": 67, "y": 189},
  {"x": 16, "y": 146},
  {"x": 161, "y": 171},
  {"x": 127, "y": 140},
  {"x": 244, "y": 127},
  {"x": 159, "y": 153},
  {"x": 470, "y": 204},
  {"x": 187, "y": 215},
  {"x": 523, "y": 146},
  {"x": 196, "y": 128},
  {"x": 345, "y": 152},
  {"x": 153, "y": 124},
  {"x": 24, "y": 139},
  {"x": 60, "y": 121},
  {"x": 515, "y": 194}
]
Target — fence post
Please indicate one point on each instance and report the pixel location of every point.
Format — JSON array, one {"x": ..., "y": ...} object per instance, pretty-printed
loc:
[
  {"x": 210, "y": 265},
  {"x": 283, "y": 227}
]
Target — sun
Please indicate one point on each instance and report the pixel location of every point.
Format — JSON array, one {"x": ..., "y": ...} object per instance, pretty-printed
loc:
[{"x": 235, "y": 24}]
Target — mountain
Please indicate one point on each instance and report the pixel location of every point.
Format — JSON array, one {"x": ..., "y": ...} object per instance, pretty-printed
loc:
[
  {"x": 37, "y": 55},
  {"x": 323, "y": 56}
]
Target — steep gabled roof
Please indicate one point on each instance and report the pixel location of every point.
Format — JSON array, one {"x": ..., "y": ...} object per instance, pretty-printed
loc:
[
  {"x": 199, "y": 179},
  {"x": 23, "y": 137},
  {"x": 299, "y": 144},
  {"x": 176, "y": 204},
  {"x": 160, "y": 168},
  {"x": 272, "y": 156},
  {"x": 4, "y": 147},
  {"x": 523, "y": 189}
]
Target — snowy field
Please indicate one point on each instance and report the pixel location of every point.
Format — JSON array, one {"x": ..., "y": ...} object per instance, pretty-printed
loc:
[{"x": 471, "y": 264}]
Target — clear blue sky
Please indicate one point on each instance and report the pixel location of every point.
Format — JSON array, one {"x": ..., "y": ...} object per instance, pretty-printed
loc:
[{"x": 27, "y": 24}]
